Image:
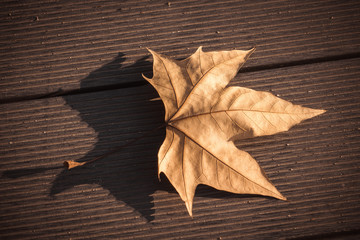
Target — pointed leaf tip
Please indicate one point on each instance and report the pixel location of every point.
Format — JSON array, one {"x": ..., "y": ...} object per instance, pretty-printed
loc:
[
  {"x": 249, "y": 52},
  {"x": 317, "y": 112},
  {"x": 189, "y": 207},
  {"x": 146, "y": 78},
  {"x": 320, "y": 111},
  {"x": 281, "y": 197},
  {"x": 151, "y": 51}
]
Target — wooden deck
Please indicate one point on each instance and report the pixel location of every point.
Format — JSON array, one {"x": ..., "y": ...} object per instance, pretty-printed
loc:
[{"x": 71, "y": 89}]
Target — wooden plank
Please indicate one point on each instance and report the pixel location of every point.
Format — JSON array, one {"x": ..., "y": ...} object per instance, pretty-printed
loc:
[
  {"x": 315, "y": 165},
  {"x": 48, "y": 47}
]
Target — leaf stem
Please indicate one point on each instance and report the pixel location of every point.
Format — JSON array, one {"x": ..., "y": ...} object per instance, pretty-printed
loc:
[{"x": 72, "y": 164}]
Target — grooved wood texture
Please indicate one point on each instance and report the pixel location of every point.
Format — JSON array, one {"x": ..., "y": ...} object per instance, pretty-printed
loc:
[
  {"x": 71, "y": 89},
  {"x": 48, "y": 46}
]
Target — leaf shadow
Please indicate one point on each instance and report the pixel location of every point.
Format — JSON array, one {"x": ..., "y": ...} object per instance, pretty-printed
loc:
[{"x": 131, "y": 174}]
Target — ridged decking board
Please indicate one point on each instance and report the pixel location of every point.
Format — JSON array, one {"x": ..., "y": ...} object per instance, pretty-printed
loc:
[
  {"x": 71, "y": 89},
  {"x": 51, "y": 46}
]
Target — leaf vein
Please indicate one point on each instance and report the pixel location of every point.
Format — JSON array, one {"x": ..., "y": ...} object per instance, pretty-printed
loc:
[
  {"x": 170, "y": 80},
  {"x": 233, "y": 110},
  {"x": 182, "y": 166},
  {"x": 268, "y": 120},
  {"x": 235, "y": 122},
  {"x": 216, "y": 122},
  {"x": 253, "y": 121},
  {"x": 223, "y": 162},
  {"x": 196, "y": 85}
]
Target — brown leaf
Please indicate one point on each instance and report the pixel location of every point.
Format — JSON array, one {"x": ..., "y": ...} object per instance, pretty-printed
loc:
[{"x": 204, "y": 116}]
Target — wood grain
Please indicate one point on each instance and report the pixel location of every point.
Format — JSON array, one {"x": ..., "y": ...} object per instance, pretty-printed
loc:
[
  {"x": 54, "y": 47},
  {"x": 315, "y": 165},
  {"x": 71, "y": 89}
]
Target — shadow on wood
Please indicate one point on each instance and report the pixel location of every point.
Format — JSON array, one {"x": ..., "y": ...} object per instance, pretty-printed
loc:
[
  {"x": 129, "y": 175},
  {"x": 117, "y": 116}
]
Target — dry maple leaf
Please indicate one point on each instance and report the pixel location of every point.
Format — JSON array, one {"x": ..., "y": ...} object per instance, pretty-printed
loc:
[{"x": 204, "y": 117}]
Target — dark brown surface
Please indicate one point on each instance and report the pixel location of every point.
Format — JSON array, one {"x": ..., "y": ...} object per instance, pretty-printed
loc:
[{"x": 71, "y": 89}]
